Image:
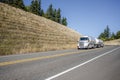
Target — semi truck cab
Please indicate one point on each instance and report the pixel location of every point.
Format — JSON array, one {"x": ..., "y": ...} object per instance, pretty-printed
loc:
[{"x": 85, "y": 42}]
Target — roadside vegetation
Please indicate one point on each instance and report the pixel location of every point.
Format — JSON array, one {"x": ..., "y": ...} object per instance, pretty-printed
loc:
[
  {"x": 112, "y": 42},
  {"x": 106, "y": 35},
  {"x": 35, "y": 8}
]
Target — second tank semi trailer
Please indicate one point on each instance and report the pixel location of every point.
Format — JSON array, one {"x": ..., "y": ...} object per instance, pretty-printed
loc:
[{"x": 89, "y": 42}]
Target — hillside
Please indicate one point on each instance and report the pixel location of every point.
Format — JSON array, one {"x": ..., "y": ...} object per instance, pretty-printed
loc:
[
  {"x": 24, "y": 32},
  {"x": 113, "y": 42}
]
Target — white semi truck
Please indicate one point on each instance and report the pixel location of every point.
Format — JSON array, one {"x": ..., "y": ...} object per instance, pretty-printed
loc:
[{"x": 89, "y": 42}]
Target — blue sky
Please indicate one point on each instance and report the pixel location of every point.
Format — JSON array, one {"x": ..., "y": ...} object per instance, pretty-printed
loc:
[{"x": 88, "y": 17}]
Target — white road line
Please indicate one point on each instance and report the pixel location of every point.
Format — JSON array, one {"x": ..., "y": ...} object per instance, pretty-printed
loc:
[{"x": 68, "y": 70}]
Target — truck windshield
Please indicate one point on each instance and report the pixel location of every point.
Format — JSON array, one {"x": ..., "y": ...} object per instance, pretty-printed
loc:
[{"x": 83, "y": 39}]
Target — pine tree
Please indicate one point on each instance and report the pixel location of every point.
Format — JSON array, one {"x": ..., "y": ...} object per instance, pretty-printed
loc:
[
  {"x": 54, "y": 15},
  {"x": 15, "y": 3},
  {"x": 5, "y": 1},
  {"x": 102, "y": 36},
  {"x": 27, "y": 8},
  {"x": 113, "y": 36},
  {"x": 20, "y": 4},
  {"x": 58, "y": 15},
  {"x": 64, "y": 21},
  {"x": 55, "y": 12},
  {"x": 49, "y": 13},
  {"x": 106, "y": 34},
  {"x": 39, "y": 8},
  {"x": 42, "y": 13},
  {"x": 35, "y": 7}
]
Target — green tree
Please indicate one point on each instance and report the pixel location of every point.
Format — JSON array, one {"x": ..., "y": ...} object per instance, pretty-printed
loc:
[
  {"x": 102, "y": 36},
  {"x": 113, "y": 36},
  {"x": 15, "y": 3},
  {"x": 49, "y": 13},
  {"x": 64, "y": 21},
  {"x": 42, "y": 13},
  {"x": 106, "y": 34},
  {"x": 27, "y": 8},
  {"x": 58, "y": 15},
  {"x": 35, "y": 7},
  {"x": 54, "y": 15},
  {"x": 5, "y": 1},
  {"x": 20, "y": 4},
  {"x": 118, "y": 35}
]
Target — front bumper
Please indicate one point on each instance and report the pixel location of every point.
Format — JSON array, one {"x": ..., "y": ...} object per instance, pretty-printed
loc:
[{"x": 82, "y": 45}]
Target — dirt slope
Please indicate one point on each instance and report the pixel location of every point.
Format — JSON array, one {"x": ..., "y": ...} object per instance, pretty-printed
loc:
[{"x": 24, "y": 32}]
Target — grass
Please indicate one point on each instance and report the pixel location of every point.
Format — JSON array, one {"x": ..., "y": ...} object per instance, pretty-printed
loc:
[
  {"x": 23, "y": 32},
  {"x": 113, "y": 42}
]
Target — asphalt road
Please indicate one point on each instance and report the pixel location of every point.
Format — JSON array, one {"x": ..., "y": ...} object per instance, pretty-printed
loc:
[{"x": 92, "y": 64}]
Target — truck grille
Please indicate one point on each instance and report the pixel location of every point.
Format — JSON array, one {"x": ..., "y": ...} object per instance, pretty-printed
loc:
[{"x": 81, "y": 44}]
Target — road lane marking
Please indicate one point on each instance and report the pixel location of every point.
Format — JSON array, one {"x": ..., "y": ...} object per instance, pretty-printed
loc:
[
  {"x": 70, "y": 69},
  {"x": 38, "y": 58}
]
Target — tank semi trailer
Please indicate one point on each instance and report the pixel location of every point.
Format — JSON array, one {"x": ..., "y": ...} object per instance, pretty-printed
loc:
[
  {"x": 87, "y": 42},
  {"x": 98, "y": 43}
]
